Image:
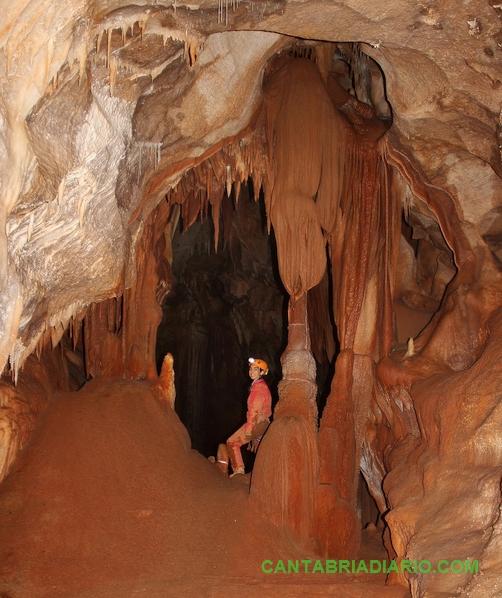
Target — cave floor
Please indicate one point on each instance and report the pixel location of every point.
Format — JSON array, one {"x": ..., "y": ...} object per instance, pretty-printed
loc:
[{"x": 108, "y": 500}]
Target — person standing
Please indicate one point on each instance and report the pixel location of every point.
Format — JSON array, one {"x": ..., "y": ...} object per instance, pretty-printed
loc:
[{"x": 258, "y": 415}]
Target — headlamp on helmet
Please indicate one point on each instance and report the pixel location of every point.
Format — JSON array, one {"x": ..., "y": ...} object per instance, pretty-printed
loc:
[{"x": 260, "y": 363}]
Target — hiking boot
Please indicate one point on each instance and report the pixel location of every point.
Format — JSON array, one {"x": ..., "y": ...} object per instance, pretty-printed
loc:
[{"x": 237, "y": 471}]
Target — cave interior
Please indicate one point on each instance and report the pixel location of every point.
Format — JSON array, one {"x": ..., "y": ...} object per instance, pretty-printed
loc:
[{"x": 314, "y": 184}]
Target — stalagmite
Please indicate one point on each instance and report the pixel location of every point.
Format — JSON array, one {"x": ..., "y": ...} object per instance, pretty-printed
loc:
[
  {"x": 410, "y": 351},
  {"x": 338, "y": 466},
  {"x": 285, "y": 476},
  {"x": 165, "y": 384}
]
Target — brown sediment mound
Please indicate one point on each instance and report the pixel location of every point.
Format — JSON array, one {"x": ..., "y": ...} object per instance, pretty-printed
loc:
[
  {"x": 109, "y": 495},
  {"x": 109, "y": 500}
]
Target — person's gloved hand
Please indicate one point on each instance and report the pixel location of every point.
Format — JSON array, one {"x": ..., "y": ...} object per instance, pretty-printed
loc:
[{"x": 253, "y": 445}]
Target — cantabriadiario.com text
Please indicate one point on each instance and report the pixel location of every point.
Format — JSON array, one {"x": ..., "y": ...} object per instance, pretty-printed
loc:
[{"x": 369, "y": 567}]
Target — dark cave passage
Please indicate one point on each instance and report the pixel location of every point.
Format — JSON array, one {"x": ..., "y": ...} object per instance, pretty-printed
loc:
[{"x": 224, "y": 307}]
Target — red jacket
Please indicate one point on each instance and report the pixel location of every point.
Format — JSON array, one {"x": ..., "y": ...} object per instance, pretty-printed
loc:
[{"x": 259, "y": 404}]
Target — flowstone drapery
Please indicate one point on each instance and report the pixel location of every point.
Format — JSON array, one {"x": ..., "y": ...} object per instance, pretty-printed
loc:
[{"x": 328, "y": 186}]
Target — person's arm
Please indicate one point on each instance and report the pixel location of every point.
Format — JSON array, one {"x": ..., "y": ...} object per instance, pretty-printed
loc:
[{"x": 259, "y": 392}]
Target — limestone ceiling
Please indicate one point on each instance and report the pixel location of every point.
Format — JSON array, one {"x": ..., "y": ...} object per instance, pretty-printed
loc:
[{"x": 104, "y": 105}]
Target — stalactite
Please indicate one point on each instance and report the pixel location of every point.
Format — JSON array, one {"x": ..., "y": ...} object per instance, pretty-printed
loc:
[
  {"x": 108, "y": 46},
  {"x": 209, "y": 180},
  {"x": 205, "y": 183},
  {"x": 113, "y": 73},
  {"x": 219, "y": 167},
  {"x": 245, "y": 153},
  {"x": 296, "y": 88},
  {"x": 98, "y": 41},
  {"x": 216, "y": 203},
  {"x": 120, "y": 333},
  {"x": 227, "y": 210},
  {"x": 237, "y": 190},
  {"x": 155, "y": 154},
  {"x": 191, "y": 209},
  {"x": 200, "y": 176}
]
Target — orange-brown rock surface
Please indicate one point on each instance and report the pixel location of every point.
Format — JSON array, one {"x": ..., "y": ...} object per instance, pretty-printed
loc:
[
  {"x": 109, "y": 500},
  {"x": 372, "y": 134}
]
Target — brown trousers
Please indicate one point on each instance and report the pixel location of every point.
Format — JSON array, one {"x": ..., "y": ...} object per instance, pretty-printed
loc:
[{"x": 240, "y": 438}]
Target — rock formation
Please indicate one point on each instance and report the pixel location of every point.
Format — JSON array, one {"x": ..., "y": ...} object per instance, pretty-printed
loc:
[{"x": 374, "y": 134}]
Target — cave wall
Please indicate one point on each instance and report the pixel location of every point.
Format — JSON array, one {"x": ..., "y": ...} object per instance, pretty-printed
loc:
[
  {"x": 441, "y": 76},
  {"x": 108, "y": 111}
]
